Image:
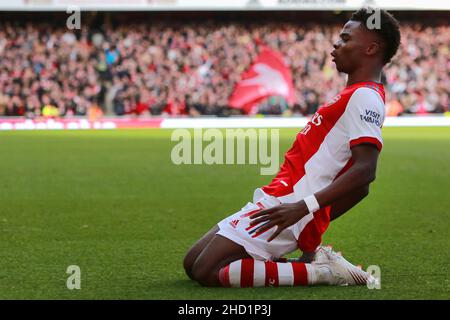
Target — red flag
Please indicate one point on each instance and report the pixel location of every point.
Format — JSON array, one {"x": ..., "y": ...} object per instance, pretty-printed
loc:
[{"x": 267, "y": 76}]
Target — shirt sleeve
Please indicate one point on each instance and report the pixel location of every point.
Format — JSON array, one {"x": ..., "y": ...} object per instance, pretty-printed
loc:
[{"x": 364, "y": 117}]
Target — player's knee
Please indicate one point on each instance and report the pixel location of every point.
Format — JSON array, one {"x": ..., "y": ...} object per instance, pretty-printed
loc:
[
  {"x": 198, "y": 272},
  {"x": 188, "y": 263},
  {"x": 365, "y": 191},
  {"x": 208, "y": 280},
  {"x": 203, "y": 275}
]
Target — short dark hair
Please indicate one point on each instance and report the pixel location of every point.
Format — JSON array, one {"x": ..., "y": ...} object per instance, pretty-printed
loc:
[{"x": 389, "y": 29}]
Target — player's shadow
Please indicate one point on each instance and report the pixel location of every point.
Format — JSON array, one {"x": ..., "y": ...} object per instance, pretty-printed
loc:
[{"x": 185, "y": 283}]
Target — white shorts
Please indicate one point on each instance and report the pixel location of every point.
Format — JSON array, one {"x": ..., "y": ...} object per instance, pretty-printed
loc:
[{"x": 236, "y": 228}]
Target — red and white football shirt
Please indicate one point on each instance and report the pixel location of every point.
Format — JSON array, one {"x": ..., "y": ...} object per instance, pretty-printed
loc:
[
  {"x": 322, "y": 150},
  {"x": 320, "y": 153}
]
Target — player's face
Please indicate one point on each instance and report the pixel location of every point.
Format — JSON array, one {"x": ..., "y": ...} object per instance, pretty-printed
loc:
[{"x": 349, "y": 48}]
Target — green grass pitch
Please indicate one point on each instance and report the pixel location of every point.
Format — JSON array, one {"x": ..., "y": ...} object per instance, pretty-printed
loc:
[{"x": 113, "y": 203}]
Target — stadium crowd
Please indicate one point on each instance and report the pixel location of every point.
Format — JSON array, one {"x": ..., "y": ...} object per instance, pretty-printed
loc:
[{"x": 191, "y": 69}]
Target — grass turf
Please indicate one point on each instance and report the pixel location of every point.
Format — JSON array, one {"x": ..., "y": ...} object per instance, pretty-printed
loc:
[{"x": 113, "y": 203}]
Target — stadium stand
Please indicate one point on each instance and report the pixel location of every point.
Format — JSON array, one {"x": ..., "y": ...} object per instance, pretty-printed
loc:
[{"x": 156, "y": 66}]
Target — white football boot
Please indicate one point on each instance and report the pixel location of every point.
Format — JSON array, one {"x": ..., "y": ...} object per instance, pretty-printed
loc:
[{"x": 343, "y": 273}]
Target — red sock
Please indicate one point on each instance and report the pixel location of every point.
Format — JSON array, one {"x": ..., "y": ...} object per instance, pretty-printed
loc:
[{"x": 256, "y": 273}]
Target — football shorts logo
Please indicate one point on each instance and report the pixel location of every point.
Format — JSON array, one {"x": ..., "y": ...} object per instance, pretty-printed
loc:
[{"x": 234, "y": 223}]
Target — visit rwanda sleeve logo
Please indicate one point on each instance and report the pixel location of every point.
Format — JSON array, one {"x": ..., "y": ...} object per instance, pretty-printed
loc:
[{"x": 371, "y": 117}]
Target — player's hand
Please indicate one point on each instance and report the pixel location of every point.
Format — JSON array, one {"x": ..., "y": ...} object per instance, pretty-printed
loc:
[{"x": 282, "y": 216}]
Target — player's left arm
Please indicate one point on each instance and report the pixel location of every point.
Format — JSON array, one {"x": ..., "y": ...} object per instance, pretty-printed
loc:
[{"x": 360, "y": 174}]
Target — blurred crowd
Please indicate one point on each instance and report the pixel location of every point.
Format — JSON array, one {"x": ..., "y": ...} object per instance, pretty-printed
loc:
[{"x": 192, "y": 69}]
